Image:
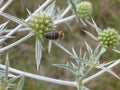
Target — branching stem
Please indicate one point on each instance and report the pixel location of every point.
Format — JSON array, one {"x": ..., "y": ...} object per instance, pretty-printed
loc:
[{"x": 57, "y": 81}]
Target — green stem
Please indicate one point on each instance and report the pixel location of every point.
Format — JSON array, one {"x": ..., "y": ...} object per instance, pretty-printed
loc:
[{"x": 79, "y": 83}]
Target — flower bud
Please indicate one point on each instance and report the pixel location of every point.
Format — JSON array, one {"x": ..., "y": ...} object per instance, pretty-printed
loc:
[
  {"x": 40, "y": 23},
  {"x": 84, "y": 9},
  {"x": 108, "y": 38}
]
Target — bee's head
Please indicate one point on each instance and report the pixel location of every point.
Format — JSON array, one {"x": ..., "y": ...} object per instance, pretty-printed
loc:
[{"x": 61, "y": 35}]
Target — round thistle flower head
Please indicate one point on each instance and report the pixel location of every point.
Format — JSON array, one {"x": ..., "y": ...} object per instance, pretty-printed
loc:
[
  {"x": 40, "y": 23},
  {"x": 84, "y": 9},
  {"x": 108, "y": 38}
]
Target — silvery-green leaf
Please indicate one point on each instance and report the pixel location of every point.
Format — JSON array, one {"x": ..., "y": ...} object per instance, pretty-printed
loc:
[
  {"x": 29, "y": 12},
  {"x": 2, "y": 26},
  {"x": 50, "y": 8},
  {"x": 98, "y": 30},
  {"x": 91, "y": 35},
  {"x": 73, "y": 65},
  {"x": 96, "y": 50},
  {"x": 49, "y": 46},
  {"x": 74, "y": 53},
  {"x": 13, "y": 18},
  {"x": 108, "y": 63},
  {"x": 38, "y": 51},
  {"x": 63, "y": 48},
  {"x": 89, "y": 49},
  {"x": 84, "y": 56},
  {"x": 80, "y": 52},
  {"x": 7, "y": 37},
  {"x": 74, "y": 9},
  {"x": 109, "y": 71},
  {"x": 13, "y": 79},
  {"x": 117, "y": 51},
  {"x": 88, "y": 70},
  {"x": 70, "y": 68},
  {"x": 102, "y": 50},
  {"x": 82, "y": 60},
  {"x": 21, "y": 83},
  {"x": 73, "y": 6},
  {"x": 85, "y": 88},
  {"x": 83, "y": 22},
  {"x": 6, "y": 68},
  {"x": 11, "y": 75}
]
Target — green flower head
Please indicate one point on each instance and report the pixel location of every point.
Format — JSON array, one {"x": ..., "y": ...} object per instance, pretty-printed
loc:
[
  {"x": 40, "y": 23},
  {"x": 108, "y": 38},
  {"x": 84, "y": 9}
]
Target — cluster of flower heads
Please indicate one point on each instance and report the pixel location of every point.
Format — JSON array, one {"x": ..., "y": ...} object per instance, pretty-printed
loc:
[
  {"x": 84, "y": 9},
  {"x": 41, "y": 23},
  {"x": 108, "y": 38}
]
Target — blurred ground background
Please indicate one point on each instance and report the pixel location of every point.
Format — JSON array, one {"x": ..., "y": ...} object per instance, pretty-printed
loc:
[{"x": 106, "y": 13}]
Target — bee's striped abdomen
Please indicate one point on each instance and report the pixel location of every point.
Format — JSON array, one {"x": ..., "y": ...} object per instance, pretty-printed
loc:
[{"x": 52, "y": 35}]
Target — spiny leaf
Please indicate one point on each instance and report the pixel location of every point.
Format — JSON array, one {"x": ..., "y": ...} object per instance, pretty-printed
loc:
[
  {"x": 74, "y": 53},
  {"x": 108, "y": 63},
  {"x": 80, "y": 52},
  {"x": 21, "y": 83},
  {"x": 85, "y": 88},
  {"x": 29, "y": 12},
  {"x": 90, "y": 51},
  {"x": 73, "y": 3},
  {"x": 50, "y": 8},
  {"x": 91, "y": 35},
  {"x": 12, "y": 80},
  {"x": 38, "y": 51},
  {"x": 82, "y": 60},
  {"x": 73, "y": 6},
  {"x": 98, "y": 30},
  {"x": 7, "y": 37},
  {"x": 96, "y": 50},
  {"x": 6, "y": 68},
  {"x": 117, "y": 51},
  {"x": 49, "y": 46},
  {"x": 110, "y": 71},
  {"x": 2, "y": 26},
  {"x": 13, "y": 18},
  {"x": 63, "y": 48},
  {"x": 73, "y": 65},
  {"x": 100, "y": 53},
  {"x": 70, "y": 68}
]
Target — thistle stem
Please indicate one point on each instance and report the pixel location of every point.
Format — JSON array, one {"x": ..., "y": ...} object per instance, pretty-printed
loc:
[
  {"x": 38, "y": 77},
  {"x": 57, "y": 81}
]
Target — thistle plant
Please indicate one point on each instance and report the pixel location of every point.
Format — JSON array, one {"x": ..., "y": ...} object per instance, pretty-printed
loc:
[{"x": 44, "y": 20}]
